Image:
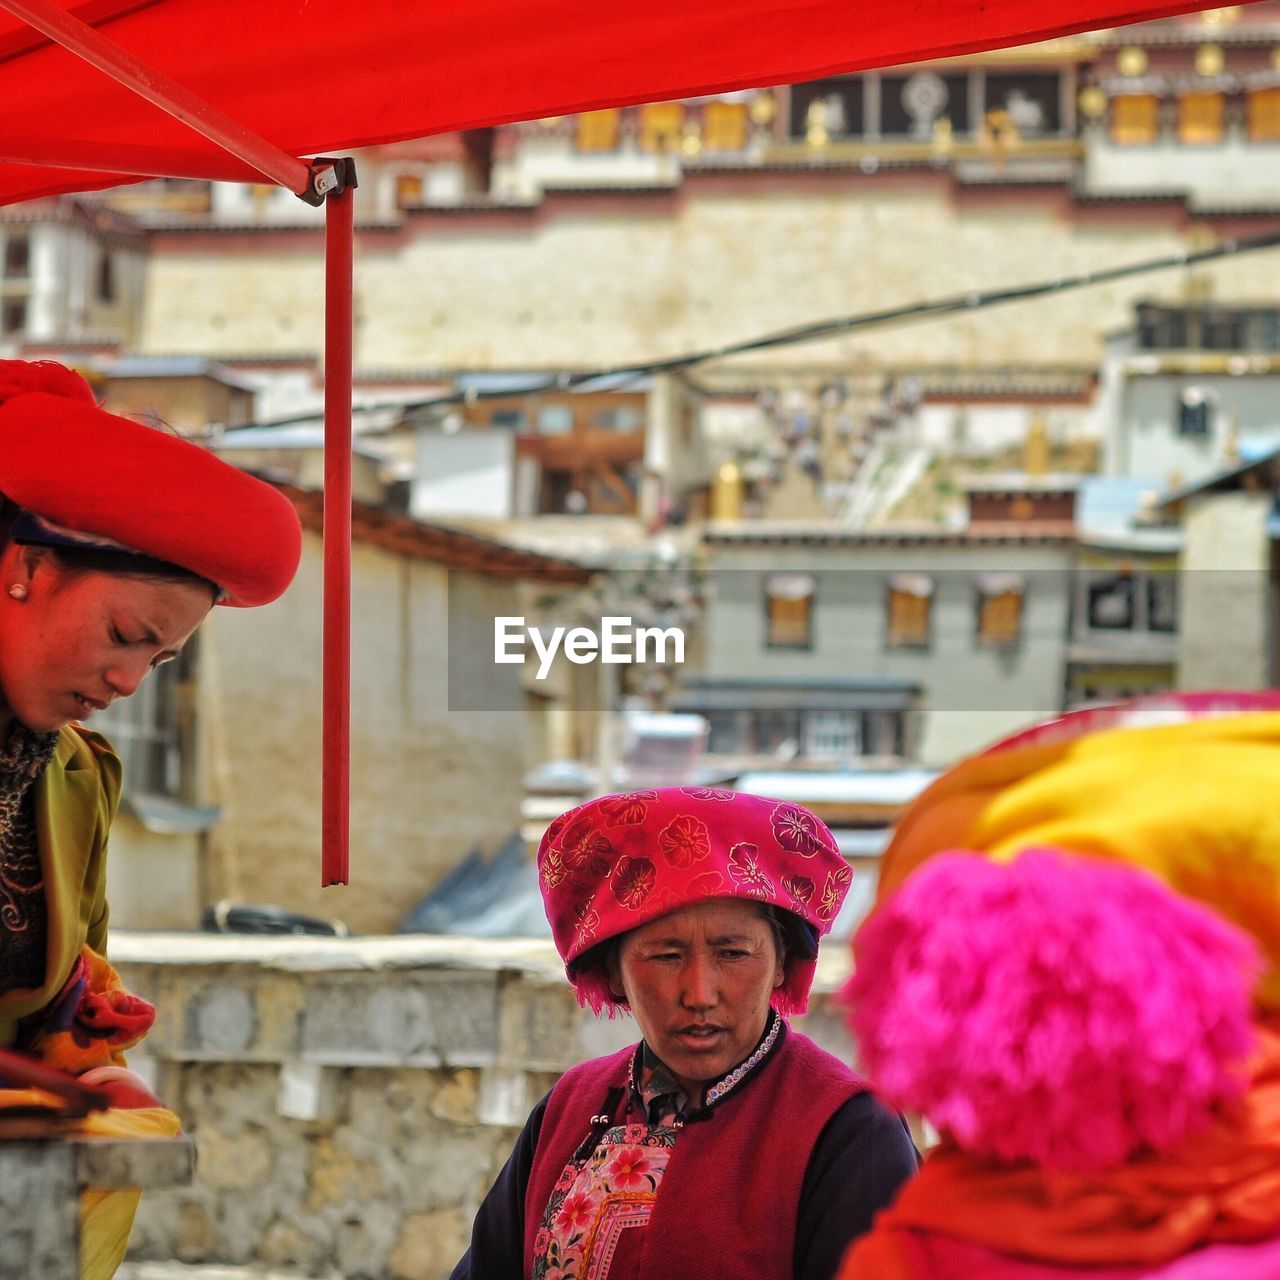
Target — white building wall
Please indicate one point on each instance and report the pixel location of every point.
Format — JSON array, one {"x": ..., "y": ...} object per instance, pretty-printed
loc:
[
  {"x": 53, "y": 273},
  {"x": 465, "y": 473},
  {"x": 1225, "y": 592},
  {"x": 1245, "y": 169}
]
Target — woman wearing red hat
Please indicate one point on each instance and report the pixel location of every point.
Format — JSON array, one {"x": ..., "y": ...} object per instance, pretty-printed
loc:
[
  {"x": 115, "y": 542},
  {"x": 724, "y": 1144}
]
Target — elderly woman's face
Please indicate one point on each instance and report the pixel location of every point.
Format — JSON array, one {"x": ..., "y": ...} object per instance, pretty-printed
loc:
[
  {"x": 699, "y": 983},
  {"x": 78, "y": 641}
]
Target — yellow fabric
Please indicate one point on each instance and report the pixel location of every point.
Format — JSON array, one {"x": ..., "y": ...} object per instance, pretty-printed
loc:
[
  {"x": 76, "y": 799},
  {"x": 1196, "y": 803},
  {"x": 106, "y": 1217}
]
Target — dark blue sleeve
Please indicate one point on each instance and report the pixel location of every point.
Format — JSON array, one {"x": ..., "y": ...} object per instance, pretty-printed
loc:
[
  {"x": 858, "y": 1163},
  {"x": 497, "y": 1238}
]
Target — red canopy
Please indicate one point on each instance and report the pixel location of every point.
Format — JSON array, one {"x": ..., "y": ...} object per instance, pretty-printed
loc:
[
  {"x": 272, "y": 80},
  {"x": 326, "y": 75}
]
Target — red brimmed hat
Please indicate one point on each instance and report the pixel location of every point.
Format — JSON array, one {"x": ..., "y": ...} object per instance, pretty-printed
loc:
[
  {"x": 92, "y": 478},
  {"x": 618, "y": 862}
]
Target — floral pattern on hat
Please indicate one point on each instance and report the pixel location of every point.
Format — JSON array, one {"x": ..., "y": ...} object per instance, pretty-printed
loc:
[
  {"x": 708, "y": 793},
  {"x": 800, "y": 889},
  {"x": 632, "y": 881},
  {"x": 684, "y": 840},
  {"x": 798, "y": 830},
  {"x": 617, "y": 862},
  {"x": 627, "y": 810},
  {"x": 745, "y": 871}
]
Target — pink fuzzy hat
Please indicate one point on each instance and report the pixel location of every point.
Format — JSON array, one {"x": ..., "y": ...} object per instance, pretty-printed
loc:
[
  {"x": 617, "y": 862},
  {"x": 1055, "y": 1009}
]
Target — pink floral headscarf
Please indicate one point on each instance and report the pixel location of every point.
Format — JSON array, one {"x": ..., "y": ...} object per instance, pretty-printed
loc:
[{"x": 618, "y": 862}]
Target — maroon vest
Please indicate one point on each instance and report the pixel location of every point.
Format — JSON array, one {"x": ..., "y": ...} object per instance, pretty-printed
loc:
[{"x": 728, "y": 1202}]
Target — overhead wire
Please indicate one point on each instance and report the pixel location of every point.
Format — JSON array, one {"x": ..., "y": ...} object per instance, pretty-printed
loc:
[{"x": 969, "y": 301}]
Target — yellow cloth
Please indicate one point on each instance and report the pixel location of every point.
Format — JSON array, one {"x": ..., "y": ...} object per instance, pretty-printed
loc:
[{"x": 1196, "y": 803}]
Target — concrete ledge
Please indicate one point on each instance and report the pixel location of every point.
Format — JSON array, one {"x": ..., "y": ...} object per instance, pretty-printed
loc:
[{"x": 535, "y": 957}]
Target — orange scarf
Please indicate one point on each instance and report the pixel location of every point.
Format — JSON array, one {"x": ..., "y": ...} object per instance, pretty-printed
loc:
[{"x": 1222, "y": 1186}]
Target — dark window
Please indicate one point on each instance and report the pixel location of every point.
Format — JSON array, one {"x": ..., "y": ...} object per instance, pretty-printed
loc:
[
  {"x": 1208, "y": 328},
  {"x": 835, "y": 106},
  {"x": 1032, "y": 100},
  {"x": 788, "y": 602},
  {"x": 1267, "y": 330},
  {"x": 883, "y": 733},
  {"x": 17, "y": 256},
  {"x": 511, "y": 419},
  {"x": 13, "y": 317},
  {"x": 1111, "y": 602},
  {"x": 1162, "y": 329},
  {"x": 776, "y": 733},
  {"x": 1195, "y": 412},
  {"x": 106, "y": 278},
  {"x": 727, "y": 733},
  {"x": 911, "y": 105},
  {"x": 1222, "y": 330},
  {"x": 1162, "y": 602}
]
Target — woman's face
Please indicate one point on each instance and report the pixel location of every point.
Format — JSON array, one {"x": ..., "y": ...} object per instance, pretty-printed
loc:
[
  {"x": 79, "y": 641},
  {"x": 699, "y": 983}
]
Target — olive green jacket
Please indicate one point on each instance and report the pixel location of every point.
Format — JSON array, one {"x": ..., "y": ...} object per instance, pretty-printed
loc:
[{"x": 76, "y": 799}]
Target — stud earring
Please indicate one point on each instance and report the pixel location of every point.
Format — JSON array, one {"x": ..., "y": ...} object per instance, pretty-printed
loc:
[{"x": 17, "y": 591}]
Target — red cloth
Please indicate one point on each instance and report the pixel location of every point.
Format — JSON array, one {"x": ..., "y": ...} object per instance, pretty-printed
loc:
[
  {"x": 618, "y": 862},
  {"x": 93, "y": 472},
  {"x": 309, "y": 77},
  {"x": 90, "y": 1022},
  {"x": 1222, "y": 1186},
  {"x": 729, "y": 1199}
]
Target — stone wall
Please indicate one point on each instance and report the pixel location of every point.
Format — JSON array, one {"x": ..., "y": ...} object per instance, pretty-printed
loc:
[
  {"x": 574, "y": 282},
  {"x": 351, "y": 1101}
]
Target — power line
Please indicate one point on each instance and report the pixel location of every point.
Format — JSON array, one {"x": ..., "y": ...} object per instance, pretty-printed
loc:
[{"x": 975, "y": 300}]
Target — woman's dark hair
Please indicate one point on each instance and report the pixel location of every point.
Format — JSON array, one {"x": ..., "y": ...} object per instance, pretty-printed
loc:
[
  {"x": 117, "y": 564},
  {"x": 124, "y": 564}
]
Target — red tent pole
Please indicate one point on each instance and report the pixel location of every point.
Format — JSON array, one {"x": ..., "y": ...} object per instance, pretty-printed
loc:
[
  {"x": 324, "y": 180},
  {"x": 335, "y": 804},
  {"x": 81, "y": 39}
]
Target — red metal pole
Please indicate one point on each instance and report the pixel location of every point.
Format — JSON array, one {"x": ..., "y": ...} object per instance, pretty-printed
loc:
[
  {"x": 335, "y": 804},
  {"x": 81, "y": 39}
]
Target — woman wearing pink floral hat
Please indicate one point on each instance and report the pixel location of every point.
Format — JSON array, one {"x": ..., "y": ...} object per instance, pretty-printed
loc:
[{"x": 724, "y": 1144}]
